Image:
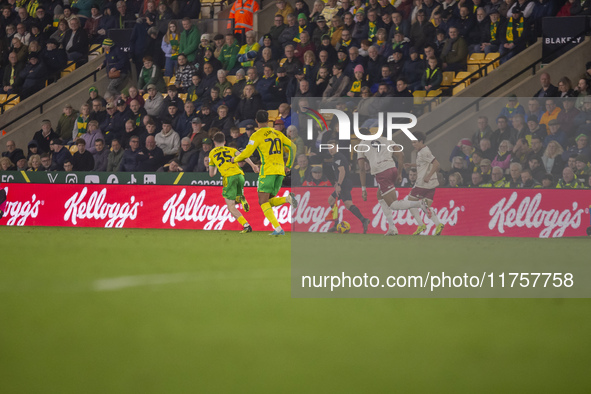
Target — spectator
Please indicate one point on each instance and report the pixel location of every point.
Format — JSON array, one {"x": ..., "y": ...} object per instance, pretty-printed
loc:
[
  {"x": 583, "y": 120},
  {"x": 190, "y": 38},
  {"x": 514, "y": 181},
  {"x": 33, "y": 76},
  {"x": 497, "y": 177},
  {"x": 503, "y": 157},
  {"x": 548, "y": 182},
  {"x": 582, "y": 172},
  {"x": 150, "y": 74},
  {"x": 533, "y": 109},
  {"x": 168, "y": 140},
  {"x": 565, "y": 87},
  {"x": 302, "y": 172},
  {"x": 151, "y": 157},
  {"x": 92, "y": 135},
  {"x": 455, "y": 51},
  {"x": 249, "y": 105},
  {"x": 229, "y": 53},
  {"x": 170, "y": 47},
  {"x": 197, "y": 133},
  {"x": 556, "y": 133},
  {"x": 44, "y": 136},
  {"x": 115, "y": 156},
  {"x": 129, "y": 161},
  {"x": 60, "y": 155},
  {"x": 552, "y": 159},
  {"x": 82, "y": 159},
  {"x": 547, "y": 89},
  {"x": 116, "y": 63},
  {"x": 60, "y": 33},
  {"x": 224, "y": 121},
  {"x": 567, "y": 117},
  {"x": 32, "y": 148},
  {"x": 81, "y": 122},
  {"x": 242, "y": 12},
  {"x": 6, "y": 164},
  {"x": 206, "y": 147},
  {"x": 45, "y": 162},
  {"x": 155, "y": 102},
  {"x": 581, "y": 147},
  {"x": 172, "y": 166},
  {"x": 552, "y": 111},
  {"x": 98, "y": 113},
  {"x": 12, "y": 80},
  {"x": 484, "y": 131},
  {"x": 100, "y": 156},
  {"x": 75, "y": 42},
  {"x": 188, "y": 156},
  {"x": 504, "y": 132},
  {"x": 34, "y": 163},
  {"x": 536, "y": 167},
  {"x": 432, "y": 76},
  {"x": 528, "y": 182},
  {"x": 184, "y": 73},
  {"x": 568, "y": 180},
  {"x": 66, "y": 123},
  {"x": 512, "y": 108},
  {"x": 316, "y": 178},
  {"x": 68, "y": 165},
  {"x": 455, "y": 180},
  {"x": 183, "y": 124},
  {"x": 12, "y": 152}
]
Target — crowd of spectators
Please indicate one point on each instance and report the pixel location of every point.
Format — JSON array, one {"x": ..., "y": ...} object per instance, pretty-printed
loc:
[{"x": 543, "y": 143}]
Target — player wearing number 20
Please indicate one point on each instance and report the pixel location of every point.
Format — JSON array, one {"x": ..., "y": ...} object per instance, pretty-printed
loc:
[
  {"x": 271, "y": 145},
  {"x": 220, "y": 158}
]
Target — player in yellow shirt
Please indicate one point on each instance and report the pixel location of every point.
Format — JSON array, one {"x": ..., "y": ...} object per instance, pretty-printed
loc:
[
  {"x": 233, "y": 178},
  {"x": 271, "y": 144}
]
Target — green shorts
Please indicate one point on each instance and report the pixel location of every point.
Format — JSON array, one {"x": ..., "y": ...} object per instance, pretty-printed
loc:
[
  {"x": 233, "y": 186},
  {"x": 270, "y": 184}
]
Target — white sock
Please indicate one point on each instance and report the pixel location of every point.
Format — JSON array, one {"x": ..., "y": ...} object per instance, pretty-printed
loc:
[
  {"x": 404, "y": 204},
  {"x": 387, "y": 213},
  {"x": 416, "y": 214},
  {"x": 434, "y": 217}
]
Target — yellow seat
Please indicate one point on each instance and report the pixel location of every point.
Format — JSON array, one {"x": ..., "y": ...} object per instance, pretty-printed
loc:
[
  {"x": 273, "y": 114},
  {"x": 494, "y": 56},
  {"x": 434, "y": 93},
  {"x": 242, "y": 130},
  {"x": 172, "y": 80},
  {"x": 472, "y": 68},
  {"x": 146, "y": 95},
  {"x": 475, "y": 58},
  {"x": 73, "y": 149},
  {"x": 232, "y": 79},
  {"x": 419, "y": 96},
  {"x": 167, "y": 80},
  {"x": 3, "y": 98},
  {"x": 448, "y": 77},
  {"x": 16, "y": 97},
  {"x": 460, "y": 76},
  {"x": 183, "y": 96},
  {"x": 459, "y": 88}
]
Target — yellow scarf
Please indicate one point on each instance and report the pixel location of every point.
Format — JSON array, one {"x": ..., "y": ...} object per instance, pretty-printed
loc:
[{"x": 510, "y": 29}]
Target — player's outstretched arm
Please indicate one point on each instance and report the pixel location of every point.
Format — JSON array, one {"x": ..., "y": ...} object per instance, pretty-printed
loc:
[{"x": 248, "y": 151}]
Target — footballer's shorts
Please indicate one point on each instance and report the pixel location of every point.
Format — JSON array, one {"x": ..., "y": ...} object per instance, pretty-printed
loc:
[
  {"x": 345, "y": 194},
  {"x": 420, "y": 193},
  {"x": 270, "y": 184},
  {"x": 233, "y": 187},
  {"x": 387, "y": 180}
]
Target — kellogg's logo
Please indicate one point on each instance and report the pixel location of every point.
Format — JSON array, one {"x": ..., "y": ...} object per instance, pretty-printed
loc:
[
  {"x": 95, "y": 207},
  {"x": 195, "y": 210},
  {"x": 18, "y": 212},
  {"x": 528, "y": 214}
]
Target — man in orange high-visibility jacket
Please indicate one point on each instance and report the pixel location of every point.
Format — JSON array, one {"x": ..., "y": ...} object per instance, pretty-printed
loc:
[{"x": 243, "y": 14}]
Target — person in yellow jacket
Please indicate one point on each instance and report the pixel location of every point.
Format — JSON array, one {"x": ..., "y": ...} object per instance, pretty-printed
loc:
[{"x": 248, "y": 52}]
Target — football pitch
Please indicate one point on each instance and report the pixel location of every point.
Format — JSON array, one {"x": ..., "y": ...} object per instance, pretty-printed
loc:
[{"x": 158, "y": 311}]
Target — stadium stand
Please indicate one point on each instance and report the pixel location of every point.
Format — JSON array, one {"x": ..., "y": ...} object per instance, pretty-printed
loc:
[{"x": 172, "y": 77}]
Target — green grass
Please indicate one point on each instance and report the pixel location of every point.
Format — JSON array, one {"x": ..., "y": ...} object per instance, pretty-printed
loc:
[{"x": 223, "y": 320}]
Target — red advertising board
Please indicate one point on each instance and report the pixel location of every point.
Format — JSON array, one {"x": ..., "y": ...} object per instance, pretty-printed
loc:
[
  {"x": 480, "y": 212},
  {"x": 126, "y": 206}
]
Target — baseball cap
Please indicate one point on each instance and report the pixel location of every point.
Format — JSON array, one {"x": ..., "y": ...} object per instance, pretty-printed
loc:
[
  {"x": 207, "y": 141},
  {"x": 120, "y": 102},
  {"x": 279, "y": 121},
  {"x": 582, "y": 158},
  {"x": 317, "y": 169},
  {"x": 110, "y": 105},
  {"x": 466, "y": 141},
  {"x": 57, "y": 141},
  {"x": 321, "y": 18},
  {"x": 554, "y": 122},
  {"x": 196, "y": 120},
  {"x": 173, "y": 103},
  {"x": 68, "y": 106},
  {"x": 151, "y": 86},
  {"x": 249, "y": 127}
]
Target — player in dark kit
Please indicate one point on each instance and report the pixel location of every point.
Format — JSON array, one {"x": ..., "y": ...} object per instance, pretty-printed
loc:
[{"x": 342, "y": 187}]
